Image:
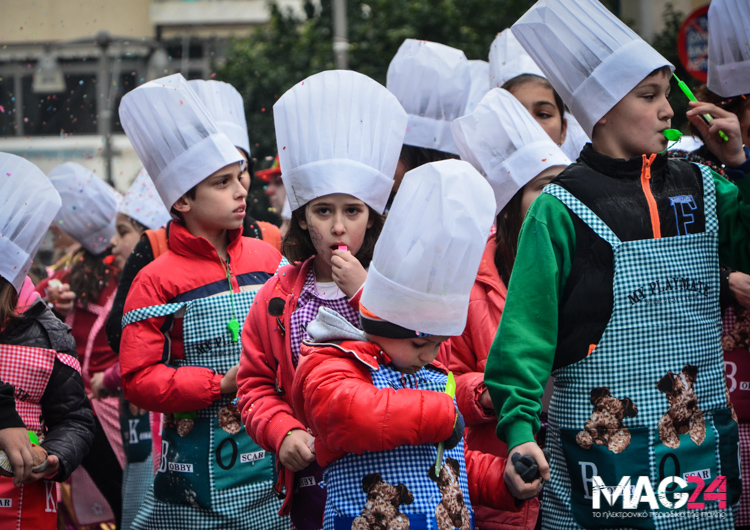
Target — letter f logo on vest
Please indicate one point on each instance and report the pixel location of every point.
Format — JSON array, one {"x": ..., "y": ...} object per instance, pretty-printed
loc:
[{"x": 683, "y": 205}]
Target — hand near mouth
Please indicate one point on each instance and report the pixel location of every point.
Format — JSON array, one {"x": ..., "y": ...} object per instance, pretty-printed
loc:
[{"x": 347, "y": 272}]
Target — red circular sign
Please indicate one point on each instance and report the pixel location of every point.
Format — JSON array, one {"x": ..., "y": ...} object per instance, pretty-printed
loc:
[{"x": 692, "y": 43}]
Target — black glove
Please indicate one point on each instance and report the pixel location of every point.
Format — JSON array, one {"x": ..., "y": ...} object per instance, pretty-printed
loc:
[
  {"x": 458, "y": 432},
  {"x": 526, "y": 466}
]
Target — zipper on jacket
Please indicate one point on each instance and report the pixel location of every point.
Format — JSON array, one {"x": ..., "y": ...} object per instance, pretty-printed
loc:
[{"x": 646, "y": 185}]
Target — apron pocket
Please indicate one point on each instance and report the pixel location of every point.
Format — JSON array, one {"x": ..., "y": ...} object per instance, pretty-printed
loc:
[
  {"x": 136, "y": 434},
  {"x": 236, "y": 460},
  {"x": 183, "y": 477},
  {"x": 584, "y": 464},
  {"x": 729, "y": 452}
]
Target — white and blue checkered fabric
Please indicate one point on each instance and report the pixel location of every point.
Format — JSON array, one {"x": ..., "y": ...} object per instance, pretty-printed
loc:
[
  {"x": 207, "y": 343},
  {"x": 665, "y": 316},
  {"x": 408, "y": 465}
]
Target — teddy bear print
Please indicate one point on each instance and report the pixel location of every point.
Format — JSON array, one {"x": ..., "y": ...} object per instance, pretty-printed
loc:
[
  {"x": 739, "y": 336},
  {"x": 451, "y": 512},
  {"x": 605, "y": 426},
  {"x": 381, "y": 509},
  {"x": 183, "y": 426},
  {"x": 229, "y": 419},
  {"x": 683, "y": 415}
]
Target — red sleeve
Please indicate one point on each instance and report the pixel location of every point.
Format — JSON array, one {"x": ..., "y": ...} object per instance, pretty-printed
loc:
[
  {"x": 350, "y": 415},
  {"x": 267, "y": 416},
  {"x": 147, "y": 381},
  {"x": 486, "y": 483},
  {"x": 464, "y": 364}
]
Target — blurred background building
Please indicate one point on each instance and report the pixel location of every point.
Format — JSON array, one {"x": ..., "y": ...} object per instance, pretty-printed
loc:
[{"x": 65, "y": 64}]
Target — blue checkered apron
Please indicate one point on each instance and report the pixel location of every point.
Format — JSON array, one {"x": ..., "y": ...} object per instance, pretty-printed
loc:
[
  {"x": 209, "y": 478},
  {"x": 407, "y": 465},
  {"x": 665, "y": 316}
]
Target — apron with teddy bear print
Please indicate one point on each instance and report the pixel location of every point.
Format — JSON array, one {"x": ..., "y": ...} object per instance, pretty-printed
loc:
[
  {"x": 649, "y": 402},
  {"x": 211, "y": 474},
  {"x": 395, "y": 489}
]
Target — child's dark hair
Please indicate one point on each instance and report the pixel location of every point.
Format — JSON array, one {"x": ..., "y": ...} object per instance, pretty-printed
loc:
[
  {"x": 8, "y": 302},
  {"x": 522, "y": 79},
  {"x": 508, "y": 223},
  {"x": 297, "y": 245},
  {"x": 137, "y": 224},
  {"x": 191, "y": 195},
  {"x": 89, "y": 275},
  {"x": 412, "y": 157}
]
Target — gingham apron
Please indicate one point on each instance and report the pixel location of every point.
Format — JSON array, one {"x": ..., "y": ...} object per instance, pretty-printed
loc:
[
  {"x": 408, "y": 465},
  {"x": 209, "y": 478},
  {"x": 655, "y": 328},
  {"x": 33, "y": 505}
]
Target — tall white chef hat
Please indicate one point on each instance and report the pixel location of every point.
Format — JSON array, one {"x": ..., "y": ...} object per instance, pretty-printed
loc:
[
  {"x": 142, "y": 203},
  {"x": 508, "y": 59},
  {"x": 426, "y": 259},
  {"x": 339, "y": 132},
  {"x": 28, "y": 204},
  {"x": 587, "y": 54},
  {"x": 506, "y": 144},
  {"x": 432, "y": 82},
  {"x": 177, "y": 140},
  {"x": 226, "y": 106},
  {"x": 89, "y": 206},
  {"x": 729, "y": 47},
  {"x": 480, "y": 74}
]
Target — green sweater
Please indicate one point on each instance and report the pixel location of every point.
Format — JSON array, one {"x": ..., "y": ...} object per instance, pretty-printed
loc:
[{"x": 520, "y": 360}]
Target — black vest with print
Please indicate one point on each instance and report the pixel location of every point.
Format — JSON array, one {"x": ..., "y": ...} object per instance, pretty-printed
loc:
[{"x": 613, "y": 190}]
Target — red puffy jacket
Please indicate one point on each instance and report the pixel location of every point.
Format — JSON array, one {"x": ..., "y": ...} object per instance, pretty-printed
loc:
[
  {"x": 189, "y": 270},
  {"x": 333, "y": 394},
  {"x": 468, "y": 357},
  {"x": 264, "y": 380}
]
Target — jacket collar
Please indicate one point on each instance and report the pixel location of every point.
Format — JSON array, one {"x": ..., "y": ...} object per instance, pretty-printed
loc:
[
  {"x": 488, "y": 275},
  {"x": 182, "y": 242},
  {"x": 620, "y": 168}
]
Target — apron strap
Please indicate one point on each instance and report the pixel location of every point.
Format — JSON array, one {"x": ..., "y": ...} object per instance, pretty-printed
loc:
[
  {"x": 709, "y": 200},
  {"x": 154, "y": 311},
  {"x": 586, "y": 215}
]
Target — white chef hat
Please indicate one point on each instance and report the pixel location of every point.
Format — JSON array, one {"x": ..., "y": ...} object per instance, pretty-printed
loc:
[
  {"x": 506, "y": 144},
  {"x": 175, "y": 136},
  {"x": 587, "y": 54},
  {"x": 508, "y": 59},
  {"x": 89, "y": 206},
  {"x": 426, "y": 259},
  {"x": 729, "y": 47},
  {"x": 28, "y": 204},
  {"x": 338, "y": 132},
  {"x": 575, "y": 138},
  {"x": 480, "y": 74},
  {"x": 142, "y": 203},
  {"x": 226, "y": 106},
  {"x": 432, "y": 83}
]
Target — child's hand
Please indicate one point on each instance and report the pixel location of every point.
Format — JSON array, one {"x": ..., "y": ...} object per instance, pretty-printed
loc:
[
  {"x": 229, "y": 381},
  {"x": 348, "y": 272},
  {"x": 518, "y": 488},
  {"x": 15, "y": 442},
  {"x": 486, "y": 401},
  {"x": 61, "y": 297},
  {"x": 53, "y": 465},
  {"x": 98, "y": 390},
  {"x": 730, "y": 153},
  {"x": 739, "y": 285},
  {"x": 294, "y": 452}
]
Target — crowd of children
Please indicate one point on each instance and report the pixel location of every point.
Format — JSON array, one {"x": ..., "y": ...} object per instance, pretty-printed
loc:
[{"x": 496, "y": 300}]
